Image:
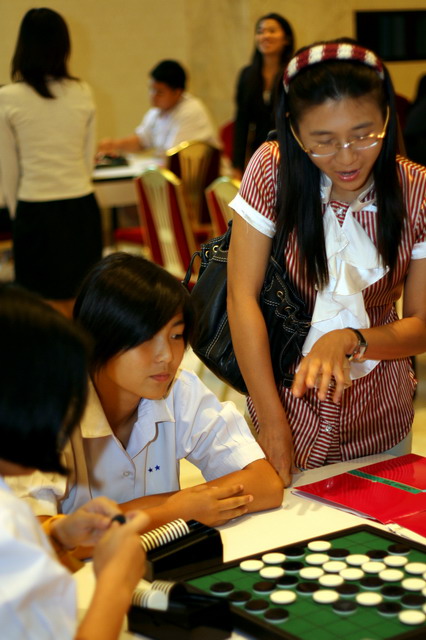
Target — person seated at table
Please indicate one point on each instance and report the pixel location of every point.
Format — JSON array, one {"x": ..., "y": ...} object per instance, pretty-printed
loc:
[
  {"x": 144, "y": 414},
  {"x": 40, "y": 404},
  {"x": 176, "y": 116}
]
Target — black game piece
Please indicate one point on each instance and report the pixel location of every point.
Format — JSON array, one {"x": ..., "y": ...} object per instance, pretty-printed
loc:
[
  {"x": 307, "y": 588},
  {"x": 256, "y": 606},
  {"x": 239, "y": 596},
  {"x": 392, "y": 591},
  {"x": 120, "y": 517},
  {"x": 222, "y": 587},
  {"x": 413, "y": 600},
  {"x": 264, "y": 586},
  {"x": 371, "y": 582},
  {"x": 389, "y": 608},
  {"x": 347, "y": 589},
  {"x": 294, "y": 552},
  {"x": 345, "y": 606},
  {"x": 338, "y": 554},
  {"x": 399, "y": 549},
  {"x": 287, "y": 581},
  {"x": 292, "y": 566},
  {"x": 276, "y": 615}
]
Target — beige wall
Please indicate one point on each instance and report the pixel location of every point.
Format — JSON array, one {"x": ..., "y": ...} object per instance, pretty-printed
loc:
[{"x": 116, "y": 43}]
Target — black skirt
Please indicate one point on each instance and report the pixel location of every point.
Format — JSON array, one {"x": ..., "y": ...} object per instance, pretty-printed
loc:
[{"x": 55, "y": 244}]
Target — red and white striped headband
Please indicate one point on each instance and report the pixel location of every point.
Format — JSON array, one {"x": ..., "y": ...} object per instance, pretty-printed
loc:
[{"x": 331, "y": 51}]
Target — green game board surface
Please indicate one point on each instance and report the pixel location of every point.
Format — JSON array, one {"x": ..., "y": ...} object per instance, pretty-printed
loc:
[{"x": 308, "y": 620}]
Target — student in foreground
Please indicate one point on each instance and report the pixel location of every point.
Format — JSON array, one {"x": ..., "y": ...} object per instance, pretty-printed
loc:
[
  {"x": 144, "y": 414},
  {"x": 40, "y": 403}
]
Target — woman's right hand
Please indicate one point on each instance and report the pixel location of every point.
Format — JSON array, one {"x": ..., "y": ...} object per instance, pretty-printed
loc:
[
  {"x": 277, "y": 443},
  {"x": 210, "y": 505}
]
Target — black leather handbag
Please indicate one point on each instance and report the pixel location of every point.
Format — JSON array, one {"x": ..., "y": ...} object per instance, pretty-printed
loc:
[{"x": 285, "y": 317}]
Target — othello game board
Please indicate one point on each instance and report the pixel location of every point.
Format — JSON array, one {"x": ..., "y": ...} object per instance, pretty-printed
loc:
[{"x": 356, "y": 584}]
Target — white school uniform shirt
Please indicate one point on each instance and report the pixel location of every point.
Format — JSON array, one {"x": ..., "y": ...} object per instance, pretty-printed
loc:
[
  {"x": 187, "y": 120},
  {"x": 37, "y": 594},
  {"x": 47, "y": 145},
  {"x": 189, "y": 423}
]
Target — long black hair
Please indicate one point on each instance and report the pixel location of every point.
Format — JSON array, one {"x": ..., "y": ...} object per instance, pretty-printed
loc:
[
  {"x": 124, "y": 301},
  {"x": 42, "y": 50},
  {"x": 43, "y": 380},
  {"x": 299, "y": 201}
]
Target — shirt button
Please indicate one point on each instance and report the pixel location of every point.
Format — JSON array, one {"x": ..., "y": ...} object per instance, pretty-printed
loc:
[
  {"x": 328, "y": 428},
  {"x": 126, "y": 474}
]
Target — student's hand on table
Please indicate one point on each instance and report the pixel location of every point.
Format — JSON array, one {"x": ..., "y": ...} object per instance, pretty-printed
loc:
[
  {"x": 210, "y": 505},
  {"x": 107, "y": 146},
  {"x": 326, "y": 364},
  {"x": 87, "y": 525},
  {"x": 277, "y": 444},
  {"x": 119, "y": 554}
]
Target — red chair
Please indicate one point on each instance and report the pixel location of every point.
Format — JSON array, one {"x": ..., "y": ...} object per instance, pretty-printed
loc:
[
  {"x": 164, "y": 219},
  {"x": 226, "y": 133},
  {"x": 218, "y": 196},
  {"x": 197, "y": 165}
]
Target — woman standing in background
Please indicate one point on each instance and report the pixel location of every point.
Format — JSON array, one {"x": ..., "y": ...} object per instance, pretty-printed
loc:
[
  {"x": 47, "y": 145},
  {"x": 258, "y": 86}
]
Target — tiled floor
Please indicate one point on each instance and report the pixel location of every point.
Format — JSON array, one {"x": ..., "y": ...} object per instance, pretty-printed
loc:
[{"x": 190, "y": 475}]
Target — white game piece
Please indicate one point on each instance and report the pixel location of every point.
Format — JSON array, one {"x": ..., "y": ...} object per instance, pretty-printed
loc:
[
  {"x": 271, "y": 573},
  {"x": 330, "y": 580},
  {"x": 351, "y": 573},
  {"x": 413, "y": 584},
  {"x": 282, "y": 597},
  {"x": 334, "y": 566},
  {"x": 251, "y": 565},
  {"x": 356, "y": 559},
  {"x": 311, "y": 573},
  {"x": 391, "y": 575},
  {"x": 368, "y": 598},
  {"x": 373, "y": 566},
  {"x": 415, "y": 568},
  {"x": 317, "y": 558},
  {"x": 325, "y": 596},
  {"x": 273, "y": 558},
  {"x": 411, "y": 617},
  {"x": 395, "y": 561},
  {"x": 319, "y": 545}
]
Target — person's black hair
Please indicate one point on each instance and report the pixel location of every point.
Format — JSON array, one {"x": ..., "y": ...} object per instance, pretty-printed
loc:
[
  {"x": 170, "y": 73},
  {"x": 43, "y": 380},
  {"x": 125, "y": 300},
  {"x": 42, "y": 50},
  {"x": 299, "y": 201}
]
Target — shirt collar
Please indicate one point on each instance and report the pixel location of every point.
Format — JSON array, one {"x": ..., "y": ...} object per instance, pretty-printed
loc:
[{"x": 94, "y": 423}]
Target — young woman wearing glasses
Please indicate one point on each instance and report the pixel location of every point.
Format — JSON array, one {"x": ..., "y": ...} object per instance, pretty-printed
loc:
[{"x": 354, "y": 215}]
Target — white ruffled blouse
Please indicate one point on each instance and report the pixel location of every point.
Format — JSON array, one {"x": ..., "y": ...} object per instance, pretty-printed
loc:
[{"x": 353, "y": 264}]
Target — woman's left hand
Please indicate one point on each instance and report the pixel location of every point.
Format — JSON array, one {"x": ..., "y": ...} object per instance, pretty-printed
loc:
[
  {"x": 326, "y": 363},
  {"x": 87, "y": 525}
]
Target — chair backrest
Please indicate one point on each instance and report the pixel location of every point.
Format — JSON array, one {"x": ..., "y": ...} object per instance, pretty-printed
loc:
[
  {"x": 197, "y": 165},
  {"x": 164, "y": 217},
  {"x": 218, "y": 196},
  {"x": 226, "y": 134}
]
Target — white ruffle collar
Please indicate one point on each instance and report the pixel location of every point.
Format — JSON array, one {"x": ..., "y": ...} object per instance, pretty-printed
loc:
[{"x": 353, "y": 264}]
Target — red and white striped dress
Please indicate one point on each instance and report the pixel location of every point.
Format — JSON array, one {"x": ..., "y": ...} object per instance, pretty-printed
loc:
[{"x": 376, "y": 412}]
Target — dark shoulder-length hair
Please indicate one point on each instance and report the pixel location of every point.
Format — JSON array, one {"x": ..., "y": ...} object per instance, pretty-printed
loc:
[
  {"x": 42, "y": 50},
  {"x": 255, "y": 78},
  {"x": 43, "y": 380},
  {"x": 299, "y": 196},
  {"x": 124, "y": 301}
]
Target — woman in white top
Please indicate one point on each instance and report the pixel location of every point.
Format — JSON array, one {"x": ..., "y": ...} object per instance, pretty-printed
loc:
[
  {"x": 37, "y": 593},
  {"x": 47, "y": 133}
]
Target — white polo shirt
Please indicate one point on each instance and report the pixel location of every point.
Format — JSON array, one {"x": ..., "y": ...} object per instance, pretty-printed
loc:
[{"x": 189, "y": 423}]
